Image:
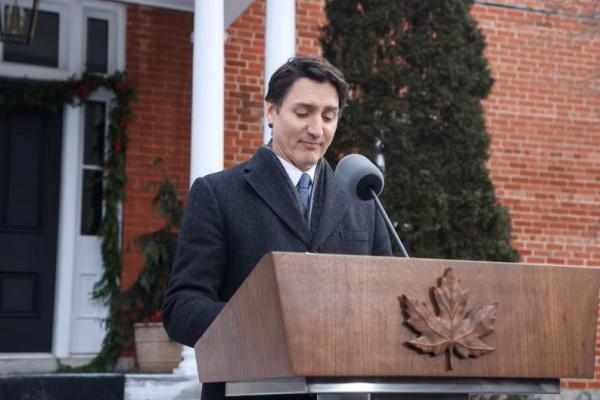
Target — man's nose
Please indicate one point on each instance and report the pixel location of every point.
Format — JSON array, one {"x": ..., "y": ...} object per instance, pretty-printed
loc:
[{"x": 315, "y": 127}]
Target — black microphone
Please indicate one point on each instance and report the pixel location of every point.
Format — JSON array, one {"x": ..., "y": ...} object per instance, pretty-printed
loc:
[{"x": 362, "y": 180}]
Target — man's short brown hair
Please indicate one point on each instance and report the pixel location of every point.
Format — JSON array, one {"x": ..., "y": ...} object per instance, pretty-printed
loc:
[{"x": 311, "y": 67}]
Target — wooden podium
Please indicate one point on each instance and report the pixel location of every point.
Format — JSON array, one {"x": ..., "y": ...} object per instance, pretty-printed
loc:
[{"x": 339, "y": 326}]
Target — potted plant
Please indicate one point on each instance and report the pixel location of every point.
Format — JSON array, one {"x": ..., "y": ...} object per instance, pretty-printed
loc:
[{"x": 155, "y": 351}]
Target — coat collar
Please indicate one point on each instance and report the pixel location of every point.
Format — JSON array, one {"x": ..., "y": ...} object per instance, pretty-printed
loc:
[
  {"x": 268, "y": 178},
  {"x": 331, "y": 204}
]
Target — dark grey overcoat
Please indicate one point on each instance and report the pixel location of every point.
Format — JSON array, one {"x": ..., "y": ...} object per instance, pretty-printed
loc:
[{"x": 236, "y": 216}]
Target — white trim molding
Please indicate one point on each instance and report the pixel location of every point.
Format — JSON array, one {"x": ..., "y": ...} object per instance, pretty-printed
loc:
[{"x": 181, "y": 5}]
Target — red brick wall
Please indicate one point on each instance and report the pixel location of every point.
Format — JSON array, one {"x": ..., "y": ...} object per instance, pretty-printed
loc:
[
  {"x": 310, "y": 17},
  {"x": 543, "y": 117},
  {"x": 544, "y": 120},
  {"x": 244, "y": 77},
  {"x": 159, "y": 64}
]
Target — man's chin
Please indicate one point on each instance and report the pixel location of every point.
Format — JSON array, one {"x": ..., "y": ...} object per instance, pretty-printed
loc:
[{"x": 307, "y": 163}]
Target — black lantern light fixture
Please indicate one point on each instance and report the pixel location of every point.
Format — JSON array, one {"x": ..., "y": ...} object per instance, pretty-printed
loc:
[{"x": 17, "y": 21}]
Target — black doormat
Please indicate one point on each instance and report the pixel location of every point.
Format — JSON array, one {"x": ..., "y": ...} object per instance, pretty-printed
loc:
[{"x": 63, "y": 387}]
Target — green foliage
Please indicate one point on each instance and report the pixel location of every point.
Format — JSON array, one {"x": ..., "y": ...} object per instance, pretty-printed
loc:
[{"x": 418, "y": 75}]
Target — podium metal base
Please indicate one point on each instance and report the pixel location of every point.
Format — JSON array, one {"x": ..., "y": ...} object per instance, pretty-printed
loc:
[
  {"x": 392, "y": 396},
  {"x": 391, "y": 388}
]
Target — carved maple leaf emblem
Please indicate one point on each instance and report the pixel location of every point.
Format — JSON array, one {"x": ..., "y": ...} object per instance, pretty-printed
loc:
[{"x": 451, "y": 330}]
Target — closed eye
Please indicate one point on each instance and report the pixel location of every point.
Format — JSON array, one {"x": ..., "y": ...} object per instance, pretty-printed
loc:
[{"x": 329, "y": 117}]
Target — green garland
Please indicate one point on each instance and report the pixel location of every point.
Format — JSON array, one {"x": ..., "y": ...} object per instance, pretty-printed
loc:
[{"x": 53, "y": 96}]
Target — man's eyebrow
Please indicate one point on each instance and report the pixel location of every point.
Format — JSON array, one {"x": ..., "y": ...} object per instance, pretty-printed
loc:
[{"x": 311, "y": 106}]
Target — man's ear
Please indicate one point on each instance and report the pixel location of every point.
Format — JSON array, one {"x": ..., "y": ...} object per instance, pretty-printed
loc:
[{"x": 271, "y": 109}]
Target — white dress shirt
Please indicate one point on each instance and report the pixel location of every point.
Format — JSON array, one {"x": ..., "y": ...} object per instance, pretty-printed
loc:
[{"x": 294, "y": 173}]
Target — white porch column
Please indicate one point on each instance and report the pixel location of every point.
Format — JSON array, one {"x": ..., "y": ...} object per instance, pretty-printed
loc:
[
  {"x": 207, "y": 88},
  {"x": 207, "y": 109},
  {"x": 280, "y": 41}
]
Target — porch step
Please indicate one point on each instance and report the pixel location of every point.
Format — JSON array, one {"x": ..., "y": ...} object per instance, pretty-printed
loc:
[
  {"x": 99, "y": 387},
  {"x": 161, "y": 387}
]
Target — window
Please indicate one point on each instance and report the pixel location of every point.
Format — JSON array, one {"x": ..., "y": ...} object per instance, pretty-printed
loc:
[
  {"x": 43, "y": 49},
  {"x": 93, "y": 160},
  {"x": 97, "y": 45}
]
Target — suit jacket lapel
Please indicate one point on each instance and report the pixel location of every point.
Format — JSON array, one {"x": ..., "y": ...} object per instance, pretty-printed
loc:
[
  {"x": 270, "y": 181},
  {"x": 331, "y": 204}
]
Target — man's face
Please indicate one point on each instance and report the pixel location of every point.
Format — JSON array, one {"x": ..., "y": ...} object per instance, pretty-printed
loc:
[{"x": 304, "y": 125}]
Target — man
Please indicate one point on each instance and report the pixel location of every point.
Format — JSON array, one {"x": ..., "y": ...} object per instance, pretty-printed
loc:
[{"x": 284, "y": 199}]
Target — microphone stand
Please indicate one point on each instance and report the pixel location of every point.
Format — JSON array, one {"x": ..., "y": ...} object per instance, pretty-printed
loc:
[{"x": 389, "y": 223}]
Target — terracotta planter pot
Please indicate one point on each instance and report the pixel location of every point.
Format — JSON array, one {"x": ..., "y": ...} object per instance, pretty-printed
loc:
[{"x": 155, "y": 351}]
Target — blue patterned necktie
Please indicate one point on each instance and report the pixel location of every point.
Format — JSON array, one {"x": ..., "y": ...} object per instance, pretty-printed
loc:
[{"x": 304, "y": 192}]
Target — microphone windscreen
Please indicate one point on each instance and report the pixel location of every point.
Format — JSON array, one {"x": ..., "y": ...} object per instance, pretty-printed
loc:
[{"x": 356, "y": 174}]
